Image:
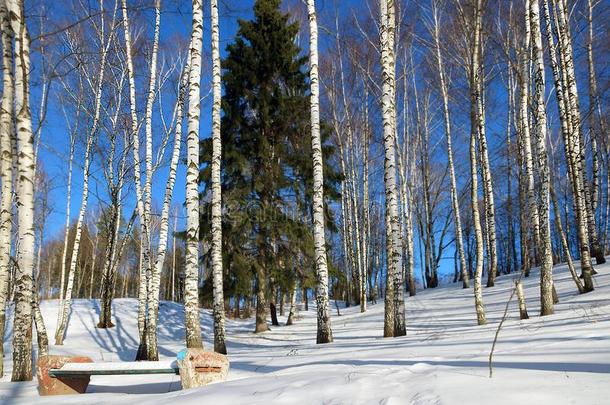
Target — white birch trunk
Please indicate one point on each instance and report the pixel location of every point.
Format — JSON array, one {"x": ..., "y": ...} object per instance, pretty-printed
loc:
[
  {"x": 488, "y": 193},
  {"x": 152, "y": 288},
  {"x": 217, "y": 272},
  {"x": 474, "y": 127},
  {"x": 191, "y": 285},
  {"x": 173, "y": 295},
  {"x": 62, "y": 283},
  {"x": 22, "y": 326},
  {"x": 6, "y": 168},
  {"x": 324, "y": 334},
  {"x": 394, "y": 244},
  {"x": 145, "y": 256},
  {"x": 67, "y": 302},
  {"x": 155, "y": 284},
  {"x": 545, "y": 247},
  {"x": 365, "y": 204},
  {"x": 524, "y": 84}
]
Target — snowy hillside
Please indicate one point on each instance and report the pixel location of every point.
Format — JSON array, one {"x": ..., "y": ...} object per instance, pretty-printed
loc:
[{"x": 560, "y": 359}]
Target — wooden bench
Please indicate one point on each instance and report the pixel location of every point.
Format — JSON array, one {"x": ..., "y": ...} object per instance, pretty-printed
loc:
[{"x": 71, "y": 375}]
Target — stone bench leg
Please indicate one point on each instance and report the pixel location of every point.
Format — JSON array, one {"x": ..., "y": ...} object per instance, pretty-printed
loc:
[
  {"x": 199, "y": 367},
  {"x": 48, "y": 385}
]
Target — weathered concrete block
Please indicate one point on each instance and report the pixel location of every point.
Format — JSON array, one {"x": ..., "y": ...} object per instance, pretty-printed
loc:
[
  {"x": 199, "y": 367},
  {"x": 64, "y": 385}
]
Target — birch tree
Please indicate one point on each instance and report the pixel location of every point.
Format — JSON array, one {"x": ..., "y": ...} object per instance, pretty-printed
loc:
[
  {"x": 22, "y": 326},
  {"x": 324, "y": 334},
  {"x": 191, "y": 291},
  {"x": 395, "y": 326},
  {"x": 217, "y": 273},
  {"x": 474, "y": 128},
  {"x": 6, "y": 167},
  {"x": 526, "y": 143},
  {"x": 545, "y": 248}
]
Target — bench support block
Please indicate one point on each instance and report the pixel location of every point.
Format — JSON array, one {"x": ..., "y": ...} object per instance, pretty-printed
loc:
[
  {"x": 63, "y": 385},
  {"x": 199, "y": 367}
]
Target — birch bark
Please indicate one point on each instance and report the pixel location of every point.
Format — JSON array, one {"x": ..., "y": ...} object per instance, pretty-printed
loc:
[
  {"x": 524, "y": 84},
  {"x": 6, "y": 168},
  {"x": 474, "y": 127},
  {"x": 151, "y": 299},
  {"x": 324, "y": 334},
  {"x": 545, "y": 247},
  {"x": 191, "y": 285},
  {"x": 22, "y": 325},
  {"x": 217, "y": 272},
  {"x": 388, "y": 103}
]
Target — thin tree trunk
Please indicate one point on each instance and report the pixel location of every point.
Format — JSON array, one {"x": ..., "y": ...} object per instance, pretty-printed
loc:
[
  {"x": 173, "y": 295},
  {"x": 564, "y": 242},
  {"x": 145, "y": 256},
  {"x": 42, "y": 337},
  {"x": 65, "y": 309},
  {"x": 488, "y": 193},
  {"x": 97, "y": 239},
  {"x": 365, "y": 203},
  {"x": 64, "y": 259},
  {"x": 524, "y": 84},
  {"x": 67, "y": 303},
  {"x": 151, "y": 299},
  {"x": 454, "y": 192},
  {"x": 474, "y": 127},
  {"x": 293, "y": 305}
]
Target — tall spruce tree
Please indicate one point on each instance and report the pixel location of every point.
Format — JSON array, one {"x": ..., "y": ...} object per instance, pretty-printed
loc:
[{"x": 266, "y": 174}]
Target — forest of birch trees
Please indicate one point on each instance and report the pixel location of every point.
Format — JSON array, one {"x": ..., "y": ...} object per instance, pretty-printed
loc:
[{"x": 256, "y": 159}]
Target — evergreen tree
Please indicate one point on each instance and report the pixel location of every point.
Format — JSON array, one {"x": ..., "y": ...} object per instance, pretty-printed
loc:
[{"x": 267, "y": 173}]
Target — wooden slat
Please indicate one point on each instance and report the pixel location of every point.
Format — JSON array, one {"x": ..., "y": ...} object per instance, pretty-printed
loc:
[
  {"x": 115, "y": 368},
  {"x": 57, "y": 372}
]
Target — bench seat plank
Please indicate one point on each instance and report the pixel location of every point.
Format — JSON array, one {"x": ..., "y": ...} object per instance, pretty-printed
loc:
[{"x": 115, "y": 368}]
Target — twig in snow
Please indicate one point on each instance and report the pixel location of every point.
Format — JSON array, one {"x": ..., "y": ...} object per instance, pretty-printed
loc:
[{"x": 493, "y": 345}]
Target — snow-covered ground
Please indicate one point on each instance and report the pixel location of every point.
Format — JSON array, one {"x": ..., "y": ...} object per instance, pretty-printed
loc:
[{"x": 559, "y": 359}]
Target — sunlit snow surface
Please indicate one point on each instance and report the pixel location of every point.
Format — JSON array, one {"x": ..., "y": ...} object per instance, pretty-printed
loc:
[{"x": 559, "y": 359}]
